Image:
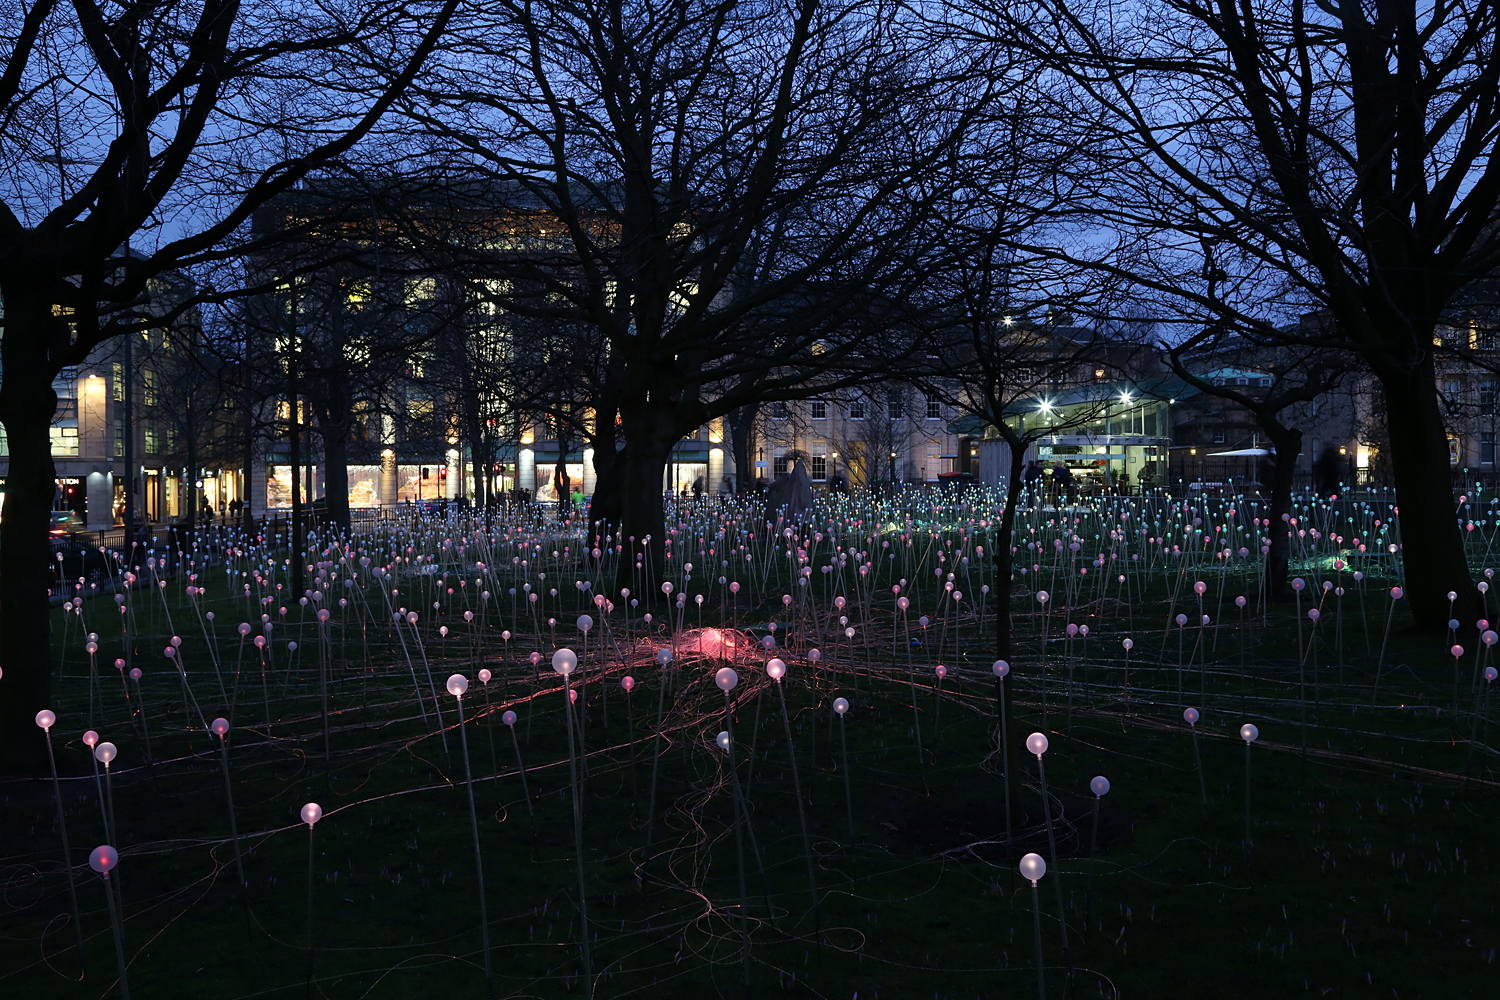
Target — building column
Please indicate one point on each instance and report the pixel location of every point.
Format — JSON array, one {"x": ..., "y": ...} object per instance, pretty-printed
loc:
[
  {"x": 99, "y": 498},
  {"x": 526, "y": 471},
  {"x": 385, "y": 479},
  {"x": 715, "y": 477},
  {"x": 256, "y": 500},
  {"x": 455, "y": 469}
]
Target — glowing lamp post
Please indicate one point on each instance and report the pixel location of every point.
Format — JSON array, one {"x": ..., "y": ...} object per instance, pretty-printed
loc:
[
  {"x": 220, "y": 728},
  {"x": 458, "y": 684},
  {"x": 1191, "y": 717},
  {"x": 841, "y": 709},
  {"x": 105, "y": 754},
  {"x": 1001, "y": 670},
  {"x": 776, "y": 670},
  {"x": 45, "y": 720},
  {"x": 1249, "y": 732},
  {"x": 1099, "y": 785},
  {"x": 508, "y": 717},
  {"x": 105, "y": 859},
  {"x": 1033, "y": 868},
  {"x": 310, "y": 814},
  {"x": 1037, "y": 744},
  {"x": 725, "y": 742},
  {"x": 564, "y": 662}
]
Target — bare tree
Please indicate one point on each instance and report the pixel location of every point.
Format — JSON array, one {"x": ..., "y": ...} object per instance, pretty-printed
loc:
[
  {"x": 160, "y": 127},
  {"x": 721, "y": 189},
  {"x": 1299, "y": 157},
  {"x": 1298, "y": 375}
]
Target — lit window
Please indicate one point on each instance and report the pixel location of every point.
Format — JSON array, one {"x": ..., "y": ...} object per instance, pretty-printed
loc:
[
  {"x": 65, "y": 441},
  {"x": 1098, "y": 374},
  {"x": 419, "y": 292},
  {"x": 284, "y": 411},
  {"x": 117, "y": 382},
  {"x": 357, "y": 352},
  {"x": 419, "y": 409},
  {"x": 148, "y": 386}
]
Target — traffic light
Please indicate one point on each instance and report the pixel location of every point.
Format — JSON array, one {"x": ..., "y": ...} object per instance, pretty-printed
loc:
[{"x": 443, "y": 472}]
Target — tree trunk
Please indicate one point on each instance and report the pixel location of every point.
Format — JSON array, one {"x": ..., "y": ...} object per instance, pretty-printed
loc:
[
  {"x": 606, "y": 509},
  {"x": 1288, "y": 444},
  {"x": 741, "y": 437},
  {"x": 1002, "y": 555},
  {"x": 27, "y": 403},
  {"x": 190, "y": 478},
  {"x": 1432, "y": 551},
  {"x": 294, "y": 459},
  {"x": 481, "y": 454},
  {"x": 1004, "y": 560},
  {"x": 562, "y": 482},
  {"x": 335, "y": 433},
  {"x": 634, "y": 489},
  {"x": 247, "y": 464}
]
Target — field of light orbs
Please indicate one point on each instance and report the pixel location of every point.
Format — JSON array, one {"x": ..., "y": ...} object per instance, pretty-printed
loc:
[{"x": 787, "y": 759}]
